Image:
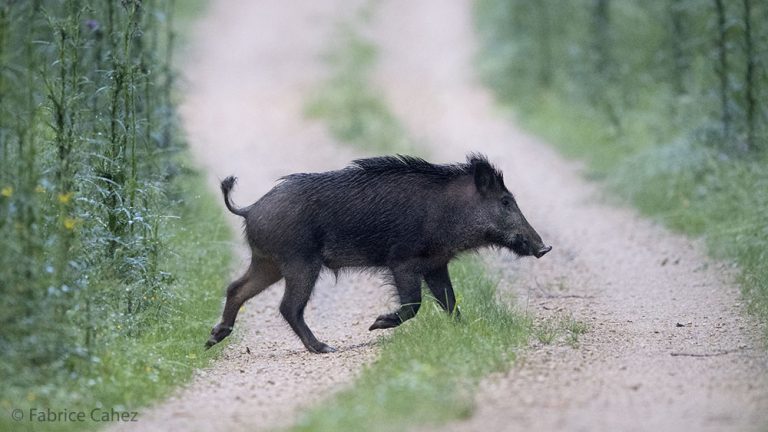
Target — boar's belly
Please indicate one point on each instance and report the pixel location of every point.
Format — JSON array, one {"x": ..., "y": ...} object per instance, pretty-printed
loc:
[{"x": 335, "y": 256}]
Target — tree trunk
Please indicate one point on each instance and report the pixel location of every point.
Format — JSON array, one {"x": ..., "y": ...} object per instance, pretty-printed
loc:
[
  {"x": 722, "y": 69},
  {"x": 545, "y": 47},
  {"x": 679, "y": 56},
  {"x": 749, "y": 75}
]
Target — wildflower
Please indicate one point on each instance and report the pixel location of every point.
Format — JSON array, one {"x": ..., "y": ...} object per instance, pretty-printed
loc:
[
  {"x": 92, "y": 25},
  {"x": 70, "y": 223},
  {"x": 39, "y": 189},
  {"x": 64, "y": 198},
  {"x": 7, "y": 191}
]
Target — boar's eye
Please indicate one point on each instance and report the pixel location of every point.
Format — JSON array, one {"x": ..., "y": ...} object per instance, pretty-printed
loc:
[{"x": 506, "y": 201}]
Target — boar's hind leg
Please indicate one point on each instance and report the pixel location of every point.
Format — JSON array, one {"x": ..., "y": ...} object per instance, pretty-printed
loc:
[
  {"x": 409, "y": 290},
  {"x": 260, "y": 275},
  {"x": 300, "y": 279},
  {"x": 439, "y": 283}
]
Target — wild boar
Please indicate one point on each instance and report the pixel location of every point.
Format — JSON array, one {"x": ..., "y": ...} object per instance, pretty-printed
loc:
[{"x": 400, "y": 214}]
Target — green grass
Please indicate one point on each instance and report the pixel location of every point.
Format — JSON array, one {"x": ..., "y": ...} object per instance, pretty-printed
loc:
[
  {"x": 351, "y": 107},
  {"x": 686, "y": 184},
  {"x": 429, "y": 367},
  {"x": 652, "y": 131},
  {"x": 560, "y": 328},
  {"x": 128, "y": 329},
  {"x": 130, "y": 371}
]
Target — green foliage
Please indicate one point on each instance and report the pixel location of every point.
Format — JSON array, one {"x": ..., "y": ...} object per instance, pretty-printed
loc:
[
  {"x": 429, "y": 367},
  {"x": 82, "y": 169},
  {"x": 347, "y": 102},
  {"x": 92, "y": 185},
  {"x": 665, "y": 101},
  {"x": 127, "y": 369},
  {"x": 622, "y": 60}
]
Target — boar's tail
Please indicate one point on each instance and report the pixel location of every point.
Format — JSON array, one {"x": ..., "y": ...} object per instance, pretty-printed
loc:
[{"x": 226, "y": 187}]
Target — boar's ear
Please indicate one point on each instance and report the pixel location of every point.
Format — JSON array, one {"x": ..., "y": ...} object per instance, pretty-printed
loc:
[{"x": 486, "y": 180}]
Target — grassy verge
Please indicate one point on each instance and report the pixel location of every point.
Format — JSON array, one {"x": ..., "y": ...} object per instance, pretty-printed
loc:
[
  {"x": 132, "y": 355},
  {"x": 129, "y": 371},
  {"x": 684, "y": 184},
  {"x": 659, "y": 149},
  {"x": 349, "y": 105}
]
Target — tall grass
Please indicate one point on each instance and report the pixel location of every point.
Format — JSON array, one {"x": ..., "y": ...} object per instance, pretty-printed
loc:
[
  {"x": 93, "y": 255},
  {"x": 82, "y": 174},
  {"x": 352, "y": 108},
  {"x": 126, "y": 368},
  {"x": 666, "y": 114}
]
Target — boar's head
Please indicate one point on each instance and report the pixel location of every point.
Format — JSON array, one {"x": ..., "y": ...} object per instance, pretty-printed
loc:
[{"x": 501, "y": 219}]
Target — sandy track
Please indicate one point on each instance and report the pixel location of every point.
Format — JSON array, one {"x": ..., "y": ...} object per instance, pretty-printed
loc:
[
  {"x": 647, "y": 294},
  {"x": 252, "y": 64}
]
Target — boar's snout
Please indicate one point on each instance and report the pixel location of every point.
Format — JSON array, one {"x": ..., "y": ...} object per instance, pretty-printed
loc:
[
  {"x": 542, "y": 251},
  {"x": 529, "y": 245}
]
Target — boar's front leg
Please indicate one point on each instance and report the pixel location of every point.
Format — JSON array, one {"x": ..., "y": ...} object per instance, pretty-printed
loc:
[
  {"x": 439, "y": 283},
  {"x": 408, "y": 286}
]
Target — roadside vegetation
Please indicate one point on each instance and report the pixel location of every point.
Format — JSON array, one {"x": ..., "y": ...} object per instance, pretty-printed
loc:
[
  {"x": 350, "y": 106},
  {"x": 665, "y": 101},
  {"x": 428, "y": 368},
  {"x": 107, "y": 255}
]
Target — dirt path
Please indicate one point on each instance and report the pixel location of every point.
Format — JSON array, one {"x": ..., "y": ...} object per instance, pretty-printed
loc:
[
  {"x": 647, "y": 295},
  {"x": 251, "y": 67}
]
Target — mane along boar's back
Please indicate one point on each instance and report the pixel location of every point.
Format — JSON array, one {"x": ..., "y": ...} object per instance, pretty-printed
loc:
[{"x": 400, "y": 213}]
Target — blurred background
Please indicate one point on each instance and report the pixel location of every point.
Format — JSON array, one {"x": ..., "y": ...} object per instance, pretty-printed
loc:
[{"x": 664, "y": 100}]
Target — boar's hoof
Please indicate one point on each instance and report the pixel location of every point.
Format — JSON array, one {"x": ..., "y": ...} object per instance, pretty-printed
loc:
[
  {"x": 321, "y": 348},
  {"x": 218, "y": 333},
  {"x": 386, "y": 321}
]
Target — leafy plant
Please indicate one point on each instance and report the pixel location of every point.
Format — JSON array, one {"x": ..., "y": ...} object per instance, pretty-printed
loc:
[{"x": 91, "y": 264}]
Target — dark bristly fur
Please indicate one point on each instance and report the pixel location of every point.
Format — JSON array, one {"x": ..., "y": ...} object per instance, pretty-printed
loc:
[
  {"x": 403, "y": 164},
  {"x": 400, "y": 213}
]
